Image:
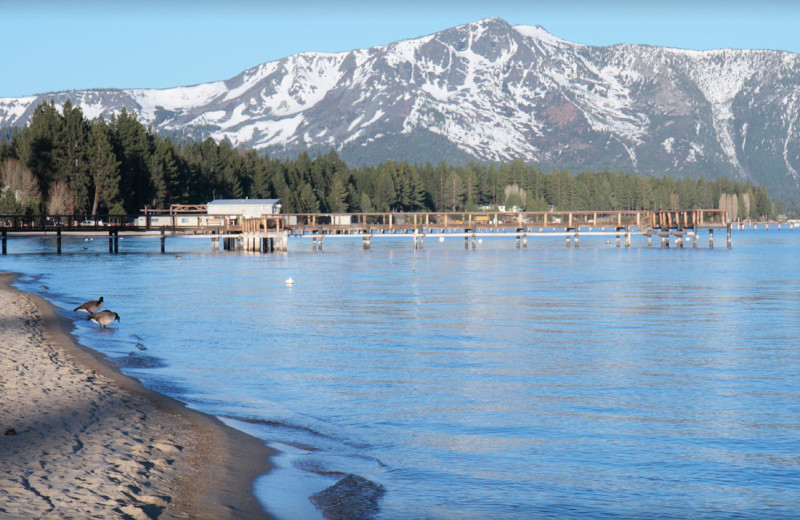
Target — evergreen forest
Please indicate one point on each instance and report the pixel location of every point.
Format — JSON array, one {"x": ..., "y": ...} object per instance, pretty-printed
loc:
[{"x": 62, "y": 163}]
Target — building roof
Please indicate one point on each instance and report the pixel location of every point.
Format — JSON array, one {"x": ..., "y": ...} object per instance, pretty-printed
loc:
[{"x": 247, "y": 202}]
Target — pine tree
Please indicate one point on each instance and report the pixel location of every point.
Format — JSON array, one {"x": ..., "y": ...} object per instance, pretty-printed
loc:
[
  {"x": 103, "y": 166},
  {"x": 73, "y": 167},
  {"x": 454, "y": 191},
  {"x": 132, "y": 146},
  {"x": 366, "y": 203},
  {"x": 261, "y": 187},
  {"x": 166, "y": 175},
  {"x": 385, "y": 194},
  {"x": 338, "y": 195},
  {"x": 309, "y": 203},
  {"x": 39, "y": 145},
  {"x": 418, "y": 195}
]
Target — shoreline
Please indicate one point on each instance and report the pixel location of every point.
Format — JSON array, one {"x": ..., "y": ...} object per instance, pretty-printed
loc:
[{"x": 85, "y": 440}]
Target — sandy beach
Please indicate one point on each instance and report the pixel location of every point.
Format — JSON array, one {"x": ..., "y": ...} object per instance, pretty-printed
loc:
[{"x": 80, "y": 440}]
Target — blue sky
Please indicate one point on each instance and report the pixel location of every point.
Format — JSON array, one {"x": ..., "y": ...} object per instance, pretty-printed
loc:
[{"x": 54, "y": 45}]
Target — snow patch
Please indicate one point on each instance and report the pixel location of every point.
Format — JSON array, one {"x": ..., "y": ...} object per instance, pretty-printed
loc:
[
  {"x": 214, "y": 116},
  {"x": 251, "y": 78},
  {"x": 695, "y": 151},
  {"x": 436, "y": 91},
  {"x": 540, "y": 34},
  {"x": 404, "y": 51},
  {"x": 379, "y": 114},
  {"x": 11, "y": 109},
  {"x": 354, "y": 123},
  {"x": 237, "y": 117},
  {"x": 269, "y": 132},
  {"x": 306, "y": 80},
  {"x": 789, "y": 133},
  {"x": 92, "y": 110},
  {"x": 720, "y": 76},
  {"x": 177, "y": 99}
]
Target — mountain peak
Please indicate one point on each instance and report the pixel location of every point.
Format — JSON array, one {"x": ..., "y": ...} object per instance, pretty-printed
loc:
[
  {"x": 537, "y": 32},
  {"x": 493, "y": 92}
]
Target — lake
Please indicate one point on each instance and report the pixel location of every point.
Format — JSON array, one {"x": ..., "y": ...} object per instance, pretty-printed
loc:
[{"x": 546, "y": 382}]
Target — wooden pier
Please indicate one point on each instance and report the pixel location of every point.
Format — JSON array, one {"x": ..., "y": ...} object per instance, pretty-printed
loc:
[
  {"x": 271, "y": 233},
  {"x": 677, "y": 225}
]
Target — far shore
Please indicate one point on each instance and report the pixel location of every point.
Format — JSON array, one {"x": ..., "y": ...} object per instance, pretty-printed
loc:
[{"x": 79, "y": 439}]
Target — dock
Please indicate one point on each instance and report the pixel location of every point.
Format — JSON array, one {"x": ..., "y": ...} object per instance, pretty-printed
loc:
[{"x": 272, "y": 233}]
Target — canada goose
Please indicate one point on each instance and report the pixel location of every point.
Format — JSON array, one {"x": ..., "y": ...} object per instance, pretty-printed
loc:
[
  {"x": 104, "y": 318},
  {"x": 91, "y": 306}
]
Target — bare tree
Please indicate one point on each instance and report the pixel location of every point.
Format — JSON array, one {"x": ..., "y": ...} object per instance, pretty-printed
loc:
[
  {"x": 515, "y": 196},
  {"x": 22, "y": 183},
  {"x": 729, "y": 202},
  {"x": 62, "y": 201}
]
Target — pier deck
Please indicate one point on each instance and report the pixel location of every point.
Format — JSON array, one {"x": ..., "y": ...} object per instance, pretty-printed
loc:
[{"x": 272, "y": 233}]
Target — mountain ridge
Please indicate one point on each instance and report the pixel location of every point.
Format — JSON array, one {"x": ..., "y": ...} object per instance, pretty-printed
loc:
[{"x": 492, "y": 92}]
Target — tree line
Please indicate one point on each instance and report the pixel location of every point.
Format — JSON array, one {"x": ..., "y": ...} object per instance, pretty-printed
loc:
[{"x": 63, "y": 163}]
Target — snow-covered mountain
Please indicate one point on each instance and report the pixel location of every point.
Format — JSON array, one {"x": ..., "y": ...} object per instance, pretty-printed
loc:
[{"x": 494, "y": 92}]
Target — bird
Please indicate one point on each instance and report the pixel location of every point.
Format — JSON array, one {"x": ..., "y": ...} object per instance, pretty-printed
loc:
[
  {"x": 91, "y": 306},
  {"x": 104, "y": 318}
]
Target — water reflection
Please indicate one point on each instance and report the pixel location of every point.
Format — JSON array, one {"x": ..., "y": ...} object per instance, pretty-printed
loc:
[{"x": 497, "y": 383}]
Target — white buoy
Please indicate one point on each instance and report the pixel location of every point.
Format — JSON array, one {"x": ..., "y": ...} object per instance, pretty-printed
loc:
[
  {"x": 289, "y": 281},
  {"x": 441, "y": 239},
  {"x": 480, "y": 241}
]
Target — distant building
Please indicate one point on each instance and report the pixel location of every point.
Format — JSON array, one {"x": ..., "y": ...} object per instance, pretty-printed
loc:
[{"x": 244, "y": 208}]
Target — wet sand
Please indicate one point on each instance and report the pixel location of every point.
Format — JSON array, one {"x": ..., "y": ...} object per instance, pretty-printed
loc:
[{"x": 78, "y": 439}]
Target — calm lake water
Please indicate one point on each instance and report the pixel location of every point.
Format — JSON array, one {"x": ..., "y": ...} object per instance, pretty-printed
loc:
[{"x": 491, "y": 383}]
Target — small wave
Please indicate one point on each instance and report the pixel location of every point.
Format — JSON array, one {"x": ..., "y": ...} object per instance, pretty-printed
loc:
[{"x": 278, "y": 424}]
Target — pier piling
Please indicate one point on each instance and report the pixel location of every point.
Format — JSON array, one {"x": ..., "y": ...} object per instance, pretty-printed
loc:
[{"x": 729, "y": 234}]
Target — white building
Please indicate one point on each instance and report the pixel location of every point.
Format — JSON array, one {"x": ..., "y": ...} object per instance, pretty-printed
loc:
[{"x": 244, "y": 208}]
